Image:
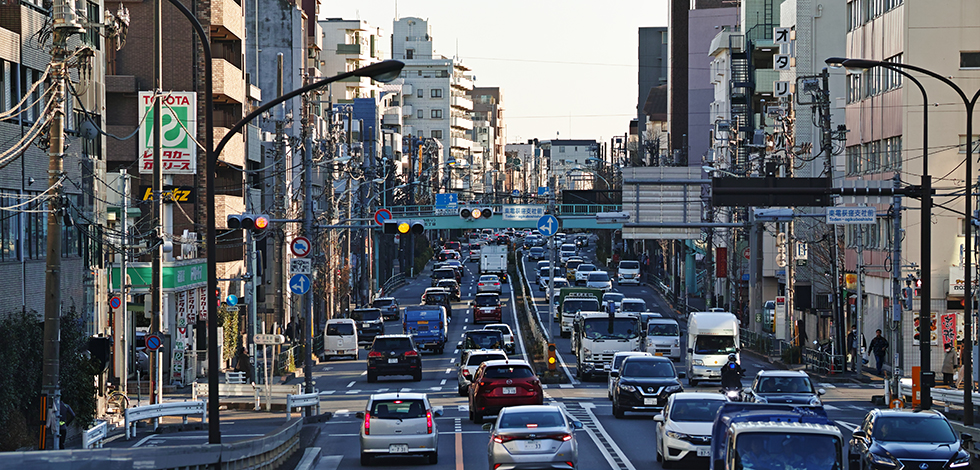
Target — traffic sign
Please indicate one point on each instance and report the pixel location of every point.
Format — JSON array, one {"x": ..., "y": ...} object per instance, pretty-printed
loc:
[
  {"x": 231, "y": 300},
  {"x": 515, "y": 193},
  {"x": 299, "y": 284},
  {"x": 301, "y": 247},
  {"x": 543, "y": 191},
  {"x": 270, "y": 339},
  {"x": 300, "y": 266},
  {"x": 153, "y": 342},
  {"x": 548, "y": 225},
  {"x": 381, "y": 216},
  {"x": 115, "y": 302},
  {"x": 851, "y": 215},
  {"x": 747, "y": 253}
]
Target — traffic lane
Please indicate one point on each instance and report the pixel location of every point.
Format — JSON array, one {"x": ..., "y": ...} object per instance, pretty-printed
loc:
[
  {"x": 563, "y": 345},
  {"x": 635, "y": 434}
]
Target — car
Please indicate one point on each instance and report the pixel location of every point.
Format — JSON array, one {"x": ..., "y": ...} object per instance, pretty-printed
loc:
[
  {"x": 617, "y": 361},
  {"x": 533, "y": 437},
  {"x": 567, "y": 251},
  {"x": 894, "y": 438},
  {"x": 393, "y": 355},
  {"x": 571, "y": 265},
  {"x": 546, "y": 272},
  {"x": 502, "y": 383},
  {"x": 339, "y": 338},
  {"x": 542, "y": 264},
  {"x": 369, "y": 323},
  {"x": 388, "y": 306},
  {"x": 599, "y": 280},
  {"x": 486, "y": 307},
  {"x": 458, "y": 266},
  {"x": 452, "y": 246},
  {"x": 560, "y": 237},
  {"x": 582, "y": 273},
  {"x": 643, "y": 384},
  {"x": 488, "y": 283},
  {"x": 559, "y": 282},
  {"x": 469, "y": 361},
  {"x": 509, "y": 344},
  {"x": 531, "y": 241},
  {"x": 684, "y": 428},
  {"x": 615, "y": 297},
  {"x": 475, "y": 252},
  {"x": 784, "y": 386},
  {"x": 448, "y": 255},
  {"x": 438, "y": 296},
  {"x": 444, "y": 272},
  {"x": 628, "y": 272},
  {"x": 452, "y": 286},
  {"x": 481, "y": 339},
  {"x": 399, "y": 425},
  {"x": 536, "y": 253},
  {"x": 633, "y": 305}
]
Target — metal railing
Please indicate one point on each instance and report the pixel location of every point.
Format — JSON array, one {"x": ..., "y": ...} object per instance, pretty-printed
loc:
[
  {"x": 155, "y": 412},
  {"x": 763, "y": 343},
  {"x": 289, "y": 360},
  {"x": 93, "y": 436},
  {"x": 391, "y": 284},
  {"x": 823, "y": 362},
  {"x": 561, "y": 209},
  {"x": 538, "y": 332}
]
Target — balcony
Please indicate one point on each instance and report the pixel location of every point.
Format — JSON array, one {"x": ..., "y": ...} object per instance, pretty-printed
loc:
[
  {"x": 227, "y": 20},
  {"x": 224, "y": 205},
  {"x": 392, "y": 119},
  {"x": 462, "y": 123},
  {"x": 234, "y": 152},
  {"x": 353, "y": 49},
  {"x": 229, "y": 82},
  {"x": 407, "y": 110},
  {"x": 462, "y": 101},
  {"x": 764, "y": 79}
]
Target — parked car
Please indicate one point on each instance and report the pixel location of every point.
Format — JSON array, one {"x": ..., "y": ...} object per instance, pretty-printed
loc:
[
  {"x": 644, "y": 384},
  {"x": 582, "y": 273},
  {"x": 388, "y": 306},
  {"x": 394, "y": 355},
  {"x": 684, "y": 428},
  {"x": 340, "y": 338},
  {"x": 469, "y": 361},
  {"x": 488, "y": 283},
  {"x": 890, "y": 439},
  {"x": 369, "y": 323},
  {"x": 599, "y": 280},
  {"x": 536, "y": 253},
  {"x": 509, "y": 344},
  {"x": 628, "y": 272},
  {"x": 481, "y": 339},
  {"x": 533, "y": 437},
  {"x": 486, "y": 307},
  {"x": 399, "y": 424},
  {"x": 784, "y": 386},
  {"x": 617, "y": 362},
  {"x": 502, "y": 383},
  {"x": 452, "y": 286}
]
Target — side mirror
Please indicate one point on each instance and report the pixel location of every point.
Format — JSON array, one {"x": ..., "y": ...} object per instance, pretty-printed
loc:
[
  {"x": 690, "y": 350},
  {"x": 577, "y": 425},
  {"x": 860, "y": 435},
  {"x": 658, "y": 418},
  {"x": 614, "y": 373},
  {"x": 681, "y": 374},
  {"x": 437, "y": 410},
  {"x": 359, "y": 414},
  {"x": 821, "y": 391},
  {"x": 488, "y": 426}
]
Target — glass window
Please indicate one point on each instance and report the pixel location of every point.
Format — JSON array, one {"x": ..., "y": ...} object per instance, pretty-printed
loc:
[
  {"x": 532, "y": 419},
  {"x": 663, "y": 329},
  {"x": 398, "y": 409},
  {"x": 436, "y": 93},
  {"x": 477, "y": 359},
  {"x": 436, "y": 114},
  {"x": 646, "y": 368},
  {"x": 340, "y": 329},
  {"x": 421, "y": 115},
  {"x": 969, "y": 60},
  {"x": 913, "y": 429},
  {"x": 436, "y": 134},
  {"x": 508, "y": 372},
  {"x": 699, "y": 411},
  {"x": 421, "y": 93}
]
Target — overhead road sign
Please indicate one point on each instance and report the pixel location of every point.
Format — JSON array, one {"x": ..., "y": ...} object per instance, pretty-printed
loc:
[
  {"x": 543, "y": 191},
  {"x": 301, "y": 247},
  {"x": 773, "y": 215},
  {"x": 853, "y": 215},
  {"x": 523, "y": 212},
  {"x": 446, "y": 203},
  {"x": 299, "y": 284},
  {"x": 548, "y": 225}
]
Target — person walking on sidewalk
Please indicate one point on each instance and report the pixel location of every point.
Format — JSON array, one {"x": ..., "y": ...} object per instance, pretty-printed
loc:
[
  {"x": 854, "y": 348},
  {"x": 950, "y": 364},
  {"x": 878, "y": 347}
]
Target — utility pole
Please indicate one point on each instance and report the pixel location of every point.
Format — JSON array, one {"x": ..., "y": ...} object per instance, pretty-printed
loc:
[
  {"x": 827, "y": 148},
  {"x": 279, "y": 252},
  {"x": 156, "y": 282},
  {"x": 896, "y": 324},
  {"x": 122, "y": 324},
  {"x": 859, "y": 302},
  {"x": 308, "y": 232}
]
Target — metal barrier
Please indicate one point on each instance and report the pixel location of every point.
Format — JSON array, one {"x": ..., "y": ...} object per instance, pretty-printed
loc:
[
  {"x": 154, "y": 412},
  {"x": 948, "y": 396},
  {"x": 93, "y": 436},
  {"x": 200, "y": 389},
  {"x": 823, "y": 362},
  {"x": 539, "y": 334},
  {"x": 393, "y": 282},
  {"x": 763, "y": 343},
  {"x": 287, "y": 358},
  {"x": 302, "y": 401}
]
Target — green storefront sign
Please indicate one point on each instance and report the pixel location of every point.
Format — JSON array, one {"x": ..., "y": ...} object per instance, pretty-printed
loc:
[{"x": 176, "y": 277}]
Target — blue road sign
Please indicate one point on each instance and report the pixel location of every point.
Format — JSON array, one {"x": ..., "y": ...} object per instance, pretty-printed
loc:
[
  {"x": 548, "y": 225},
  {"x": 299, "y": 284},
  {"x": 515, "y": 193},
  {"x": 446, "y": 200},
  {"x": 152, "y": 342},
  {"x": 115, "y": 302},
  {"x": 232, "y": 300},
  {"x": 543, "y": 191}
]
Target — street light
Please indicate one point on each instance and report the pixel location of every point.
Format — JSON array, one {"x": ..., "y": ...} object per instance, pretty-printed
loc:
[
  {"x": 926, "y": 194},
  {"x": 593, "y": 172},
  {"x": 710, "y": 169}
]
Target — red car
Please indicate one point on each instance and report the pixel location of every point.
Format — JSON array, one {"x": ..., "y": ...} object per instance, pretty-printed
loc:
[
  {"x": 486, "y": 308},
  {"x": 502, "y": 383}
]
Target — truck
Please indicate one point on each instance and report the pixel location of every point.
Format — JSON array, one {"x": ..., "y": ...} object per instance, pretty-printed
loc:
[
  {"x": 598, "y": 336},
  {"x": 711, "y": 337},
  {"x": 781, "y": 436},
  {"x": 493, "y": 260},
  {"x": 580, "y": 299},
  {"x": 427, "y": 325}
]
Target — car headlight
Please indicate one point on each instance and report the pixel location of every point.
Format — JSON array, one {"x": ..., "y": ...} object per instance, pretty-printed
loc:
[
  {"x": 677, "y": 435},
  {"x": 673, "y": 388},
  {"x": 814, "y": 401},
  {"x": 961, "y": 460},
  {"x": 586, "y": 353},
  {"x": 883, "y": 460},
  {"x": 627, "y": 387},
  {"x": 698, "y": 362}
]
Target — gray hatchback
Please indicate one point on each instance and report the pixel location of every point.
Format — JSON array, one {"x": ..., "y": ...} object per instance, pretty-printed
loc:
[
  {"x": 399, "y": 424},
  {"x": 535, "y": 436}
]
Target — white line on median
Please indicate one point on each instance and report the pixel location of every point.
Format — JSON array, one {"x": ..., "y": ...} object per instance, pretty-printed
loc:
[{"x": 629, "y": 465}]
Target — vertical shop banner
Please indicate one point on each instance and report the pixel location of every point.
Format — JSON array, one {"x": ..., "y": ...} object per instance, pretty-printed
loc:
[
  {"x": 947, "y": 328},
  {"x": 202, "y": 312},
  {"x": 181, "y": 307},
  {"x": 934, "y": 337},
  {"x": 178, "y": 126},
  {"x": 721, "y": 262},
  {"x": 191, "y": 306}
]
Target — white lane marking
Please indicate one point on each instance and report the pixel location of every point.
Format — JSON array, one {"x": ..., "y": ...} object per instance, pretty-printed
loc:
[
  {"x": 595, "y": 421},
  {"x": 513, "y": 307},
  {"x": 451, "y": 359},
  {"x": 364, "y": 373},
  {"x": 382, "y": 390},
  {"x": 850, "y": 426},
  {"x": 464, "y": 327},
  {"x": 443, "y": 382},
  {"x": 466, "y": 320},
  {"x": 449, "y": 371},
  {"x": 406, "y": 390},
  {"x": 351, "y": 384},
  {"x": 830, "y": 407},
  {"x": 464, "y": 408},
  {"x": 147, "y": 438},
  {"x": 455, "y": 351},
  {"x": 566, "y": 386},
  {"x": 352, "y": 392},
  {"x": 826, "y": 385},
  {"x": 340, "y": 412},
  {"x": 328, "y": 392}
]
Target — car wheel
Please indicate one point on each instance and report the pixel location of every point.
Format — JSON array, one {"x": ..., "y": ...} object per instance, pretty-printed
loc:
[
  {"x": 618, "y": 412},
  {"x": 477, "y": 417},
  {"x": 418, "y": 376},
  {"x": 365, "y": 460},
  {"x": 372, "y": 378},
  {"x": 433, "y": 458},
  {"x": 666, "y": 463},
  {"x": 462, "y": 391}
]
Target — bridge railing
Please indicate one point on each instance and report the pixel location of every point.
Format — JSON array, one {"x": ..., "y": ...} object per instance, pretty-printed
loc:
[{"x": 561, "y": 209}]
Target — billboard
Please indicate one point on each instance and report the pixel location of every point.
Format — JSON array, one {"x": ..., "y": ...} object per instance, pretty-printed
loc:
[{"x": 178, "y": 126}]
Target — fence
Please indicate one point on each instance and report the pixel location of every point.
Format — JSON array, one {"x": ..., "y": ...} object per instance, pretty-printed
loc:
[
  {"x": 288, "y": 360},
  {"x": 389, "y": 286},
  {"x": 763, "y": 343},
  {"x": 93, "y": 436},
  {"x": 823, "y": 362},
  {"x": 539, "y": 337}
]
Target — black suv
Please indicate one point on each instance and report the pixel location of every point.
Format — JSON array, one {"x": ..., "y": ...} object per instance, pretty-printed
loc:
[
  {"x": 394, "y": 355},
  {"x": 482, "y": 339},
  {"x": 440, "y": 298},
  {"x": 369, "y": 323},
  {"x": 388, "y": 306},
  {"x": 643, "y": 383},
  {"x": 443, "y": 273}
]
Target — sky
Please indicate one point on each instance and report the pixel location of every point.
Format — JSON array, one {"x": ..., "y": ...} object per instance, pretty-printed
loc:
[{"x": 567, "y": 69}]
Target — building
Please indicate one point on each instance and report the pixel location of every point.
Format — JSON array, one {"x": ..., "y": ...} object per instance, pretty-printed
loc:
[
  {"x": 651, "y": 103},
  {"x": 490, "y": 133},
  {"x": 567, "y": 162}
]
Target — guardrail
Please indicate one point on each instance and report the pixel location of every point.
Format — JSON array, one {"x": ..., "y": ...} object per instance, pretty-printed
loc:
[
  {"x": 539, "y": 334},
  {"x": 393, "y": 282},
  {"x": 93, "y": 436},
  {"x": 155, "y": 412},
  {"x": 200, "y": 389},
  {"x": 287, "y": 358},
  {"x": 763, "y": 343},
  {"x": 948, "y": 396},
  {"x": 302, "y": 401}
]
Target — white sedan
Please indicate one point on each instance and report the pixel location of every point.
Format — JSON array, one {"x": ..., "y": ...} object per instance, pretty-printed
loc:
[
  {"x": 488, "y": 283},
  {"x": 684, "y": 427}
]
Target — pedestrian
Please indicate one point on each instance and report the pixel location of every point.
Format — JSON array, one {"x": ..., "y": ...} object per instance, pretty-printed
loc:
[
  {"x": 241, "y": 363},
  {"x": 950, "y": 364},
  {"x": 878, "y": 347},
  {"x": 67, "y": 416},
  {"x": 854, "y": 348}
]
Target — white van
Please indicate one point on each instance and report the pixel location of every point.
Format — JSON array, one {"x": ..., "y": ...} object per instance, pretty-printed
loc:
[
  {"x": 340, "y": 338},
  {"x": 664, "y": 338},
  {"x": 567, "y": 251}
]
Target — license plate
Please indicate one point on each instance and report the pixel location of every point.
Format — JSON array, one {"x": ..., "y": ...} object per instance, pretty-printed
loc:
[
  {"x": 392, "y": 361},
  {"x": 658, "y": 354},
  {"x": 704, "y": 452},
  {"x": 532, "y": 445},
  {"x": 365, "y": 325},
  {"x": 423, "y": 322},
  {"x": 510, "y": 390},
  {"x": 398, "y": 448},
  {"x": 650, "y": 401}
]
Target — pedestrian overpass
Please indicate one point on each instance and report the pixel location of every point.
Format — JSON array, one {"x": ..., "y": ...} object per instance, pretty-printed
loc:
[{"x": 571, "y": 216}]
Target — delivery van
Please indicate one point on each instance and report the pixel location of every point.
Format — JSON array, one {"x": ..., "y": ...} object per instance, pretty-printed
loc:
[
  {"x": 427, "y": 326},
  {"x": 340, "y": 338}
]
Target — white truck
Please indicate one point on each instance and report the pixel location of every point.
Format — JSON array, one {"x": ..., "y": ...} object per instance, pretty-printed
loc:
[
  {"x": 711, "y": 337},
  {"x": 493, "y": 260},
  {"x": 598, "y": 336}
]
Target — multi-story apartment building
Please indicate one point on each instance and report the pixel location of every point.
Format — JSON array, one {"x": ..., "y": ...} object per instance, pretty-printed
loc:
[
  {"x": 528, "y": 177},
  {"x": 652, "y": 92},
  {"x": 489, "y": 131},
  {"x": 349, "y": 45},
  {"x": 566, "y": 161}
]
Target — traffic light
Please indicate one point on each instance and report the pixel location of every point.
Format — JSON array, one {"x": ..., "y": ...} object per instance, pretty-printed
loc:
[
  {"x": 907, "y": 298},
  {"x": 476, "y": 213},
  {"x": 257, "y": 223},
  {"x": 395, "y": 227},
  {"x": 552, "y": 360}
]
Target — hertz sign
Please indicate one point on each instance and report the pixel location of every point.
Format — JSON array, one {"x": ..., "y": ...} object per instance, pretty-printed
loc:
[{"x": 171, "y": 193}]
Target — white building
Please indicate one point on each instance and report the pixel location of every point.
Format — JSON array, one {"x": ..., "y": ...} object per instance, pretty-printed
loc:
[{"x": 349, "y": 45}]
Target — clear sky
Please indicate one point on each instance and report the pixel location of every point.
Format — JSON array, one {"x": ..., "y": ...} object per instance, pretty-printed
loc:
[{"x": 566, "y": 68}]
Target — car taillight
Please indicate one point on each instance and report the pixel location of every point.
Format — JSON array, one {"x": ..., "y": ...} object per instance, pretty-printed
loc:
[
  {"x": 367, "y": 423},
  {"x": 375, "y": 354},
  {"x": 428, "y": 421},
  {"x": 496, "y": 283},
  {"x": 502, "y": 439},
  {"x": 559, "y": 437},
  {"x": 411, "y": 353},
  {"x": 466, "y": 373},
  {"x": 442, "y": 326},
  {"x": 480, "y": 284}
]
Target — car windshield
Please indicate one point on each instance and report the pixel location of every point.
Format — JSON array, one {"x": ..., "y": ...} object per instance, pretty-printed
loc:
[
  {"x": 720, "y": 344},
  {"x": 572, "y": 265},
  {"x": 618, "y": 360},
  {"x": 784, "y": 385},
  {"x": 383, "y": 303},
  {"x": 585, "y": 267},
  {"x": 489, "y": 279},
  {"x": 340, "y": 329},
  {"x": 483, "y": 340},
  {"x": 531, "y": 420},
  {"x": 445, "y": 273},
  {"x": 663, "y": 329},
  {"x": 398, "y": 409},
  {"x": 477, "y": 359},
  {"x": 634, "y": 307},
  {"x": 487, "y": 301},
  {"x": 501, "y": 328},
  {"x": 366, "y": 315},
  {"x": 580, "y": 305},
  {"x": 645, "y": 368},
  {"x": 537, "y": 249},
  {"x": 447, "y": 283},
  {"x": 436, "y": 297},
  {"x": 618, "y": 328},
  {"x": 598, "y": 277},
  {"x": 559, "y": 283},
  {"x": 613, "y": 296},
  {"x": 926, "y": 428},
  {"x": 391, "y": 344},
  {"x": 452, "y": 246},
  {"x": 508, "y": 372},
  {"x": 768, "y": 451},
  {"x": 698, "y": 411},
  {"x": 629, "y": 265}
]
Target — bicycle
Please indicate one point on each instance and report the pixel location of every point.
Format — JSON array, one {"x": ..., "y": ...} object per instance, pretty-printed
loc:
[{"x": 116, "y": 403}]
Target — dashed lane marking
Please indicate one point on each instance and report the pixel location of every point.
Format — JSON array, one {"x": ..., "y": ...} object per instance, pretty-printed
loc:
[
  {"x": 443, "y": 382},
  {"x": 351, "y": 384}
]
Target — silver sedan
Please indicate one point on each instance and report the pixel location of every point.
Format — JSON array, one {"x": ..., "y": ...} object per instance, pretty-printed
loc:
[
  {"x": 540, "y": 436},
  {"x": 399, "y": 425}
]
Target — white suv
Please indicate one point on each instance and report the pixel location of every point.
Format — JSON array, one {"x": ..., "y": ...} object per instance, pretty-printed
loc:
[{"x": 628, "y": 272}]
